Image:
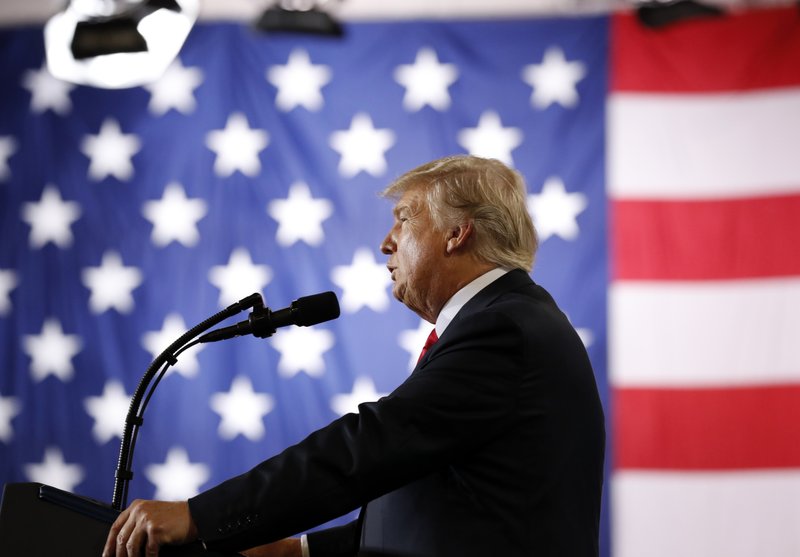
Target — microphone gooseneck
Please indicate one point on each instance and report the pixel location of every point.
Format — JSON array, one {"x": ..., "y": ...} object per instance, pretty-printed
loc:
[
  {"x": 134, "y": 417},
  {"x": 262, "y": 323}
]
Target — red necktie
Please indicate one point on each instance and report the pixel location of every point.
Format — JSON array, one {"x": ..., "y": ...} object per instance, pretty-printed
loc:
[{"x": 432, "y": 338}]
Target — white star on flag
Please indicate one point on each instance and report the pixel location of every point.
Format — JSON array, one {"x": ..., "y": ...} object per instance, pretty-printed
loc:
[
  {"x": 299, "y": 82},
  {"x": 300, "y": 216},
  {"x": 555, "y": 80},
  {"x": 175, "y": 217},
  {"x": 362, "y": 147},
  {"x": 490, "y": 139},
  {"x": 155, "y": 342},
  {"x": 9, "y": 408},
  {"x": 110, "y": 152},
  {"x": 177, "y": 479},
  {"x": 555, "y": 211},
  {"x": 47, "y": 92},
  {"x": 51, "y": 351},
  {"x": 111, "y": 284},
  {"x": 426, "y": 81},
  {"x": 301, "y": 349},
  {"x": 8, "y": 281},
  {"x": 363, "y": 282},
  {"x": 108, "y": 411},
  {"x": 239, "y": 278},
  {"x": 242, "y": 410},
  {"x": 174, "y": 89},
  {"x": 8, "y": 146},
  {"x": 363, "y": 391},
  {"x": 237, "y": 147},
  {"x": 412, "y": 341},
  {"x": 54, "y": 471},
  {"x": 50, "y": 219}
]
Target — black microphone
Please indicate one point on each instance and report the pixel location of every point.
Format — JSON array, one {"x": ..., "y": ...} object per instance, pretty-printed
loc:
[{"x": 262, "y": 323}]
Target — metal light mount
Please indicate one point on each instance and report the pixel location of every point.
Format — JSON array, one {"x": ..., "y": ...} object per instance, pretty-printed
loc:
[
  {"x": 300, "y": 16},
  {"x": 657, "y": 14},
  {"x": 117, "y": 43}
]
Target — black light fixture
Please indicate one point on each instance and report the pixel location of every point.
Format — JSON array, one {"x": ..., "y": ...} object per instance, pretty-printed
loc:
[
  {"x": 101, "y": 36},
  {"x": 657, "y": 14},
  {"x": 98, "y": 36},
  {"x": 299, "y": 17},
  {"x": 119, "y": 43}
]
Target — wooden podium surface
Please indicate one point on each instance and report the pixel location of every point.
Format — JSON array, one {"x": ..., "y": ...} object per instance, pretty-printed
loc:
[{"x": 41, "y": 521}]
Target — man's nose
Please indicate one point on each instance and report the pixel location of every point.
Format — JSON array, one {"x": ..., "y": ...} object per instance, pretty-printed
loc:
[{"x": 388, "y": 245}]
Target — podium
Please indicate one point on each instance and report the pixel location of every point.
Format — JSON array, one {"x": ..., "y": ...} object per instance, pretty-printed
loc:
[{"x": 38, "y": 520}]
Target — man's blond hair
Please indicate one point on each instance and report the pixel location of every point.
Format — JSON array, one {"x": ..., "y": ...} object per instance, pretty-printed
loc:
[{"x": 463, "y": 188}]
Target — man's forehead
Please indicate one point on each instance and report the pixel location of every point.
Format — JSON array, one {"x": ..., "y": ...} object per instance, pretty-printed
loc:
[{"x": 411, "y": 200}]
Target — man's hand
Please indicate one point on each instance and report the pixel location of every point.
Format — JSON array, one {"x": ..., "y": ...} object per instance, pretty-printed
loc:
[{"x": 148, "y": 525}]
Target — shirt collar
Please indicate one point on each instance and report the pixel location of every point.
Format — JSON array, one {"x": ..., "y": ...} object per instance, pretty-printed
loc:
[{"x": 460, "y": 298}]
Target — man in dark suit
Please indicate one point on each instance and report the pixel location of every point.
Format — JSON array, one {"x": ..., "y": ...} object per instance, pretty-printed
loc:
[{"x": 492, "y": 447}]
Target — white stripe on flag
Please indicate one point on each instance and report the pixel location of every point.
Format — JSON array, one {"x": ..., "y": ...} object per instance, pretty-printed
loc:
[
  {"x": 730, "y": 514},
  {"x": 704, "y": 333},
  {"x": 692, "y": 146}
]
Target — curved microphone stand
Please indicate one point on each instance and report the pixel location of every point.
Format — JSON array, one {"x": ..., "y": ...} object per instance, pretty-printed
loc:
[{"x": 134, "y": 418}]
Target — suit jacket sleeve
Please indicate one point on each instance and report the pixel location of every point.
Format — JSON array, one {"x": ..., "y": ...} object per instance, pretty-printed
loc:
[
  {"x": 340, "y": 541},
  {"x": 462, "y": 394}
]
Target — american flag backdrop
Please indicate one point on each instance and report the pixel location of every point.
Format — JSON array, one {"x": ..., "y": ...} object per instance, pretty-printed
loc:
[
  {"x": 704, "y": 304},
  {"x": 663, "y": 175}
]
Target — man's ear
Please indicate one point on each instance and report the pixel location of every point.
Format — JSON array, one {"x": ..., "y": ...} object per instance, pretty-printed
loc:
[{"x": 458, "y": 236}]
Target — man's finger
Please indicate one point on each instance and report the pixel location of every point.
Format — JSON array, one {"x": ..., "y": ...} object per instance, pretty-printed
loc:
[
  {"x": 151, "y": 549},
  {"x": 137, "y": 538},
  {"x": 110, "y": 547},
  {"x": 123, "y": 536}
]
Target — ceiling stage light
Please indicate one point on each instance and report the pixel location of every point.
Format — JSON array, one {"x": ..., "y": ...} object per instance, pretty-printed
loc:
[
  {"x": 299, "y": 16},
  {"x": 662, "y": 13},
  {"x": 117, "y": 44}
]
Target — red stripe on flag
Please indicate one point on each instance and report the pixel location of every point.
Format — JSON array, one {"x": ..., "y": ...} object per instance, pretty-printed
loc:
[
  {"x": 696, "y": 240},
  {"x": 744, "y": 50},
  {"x": 707, "y": 429}
]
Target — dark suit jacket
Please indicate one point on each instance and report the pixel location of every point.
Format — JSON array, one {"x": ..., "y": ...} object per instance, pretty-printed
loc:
[{"x": 493, "y": 446}]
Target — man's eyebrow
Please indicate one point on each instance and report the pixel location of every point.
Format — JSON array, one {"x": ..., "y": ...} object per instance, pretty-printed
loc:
[
  {"x": 411, "y": 207},
  {"x": 400, "y": 208}
]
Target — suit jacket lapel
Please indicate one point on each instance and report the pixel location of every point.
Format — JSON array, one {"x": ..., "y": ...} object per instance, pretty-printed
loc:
[{"x": 510, "y": 281}]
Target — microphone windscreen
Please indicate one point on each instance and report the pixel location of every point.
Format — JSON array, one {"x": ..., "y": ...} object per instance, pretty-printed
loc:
[{"x": 317, "y": 308}]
